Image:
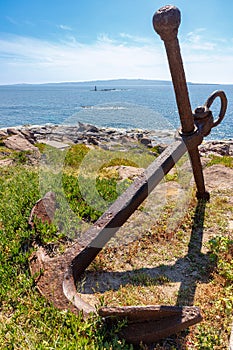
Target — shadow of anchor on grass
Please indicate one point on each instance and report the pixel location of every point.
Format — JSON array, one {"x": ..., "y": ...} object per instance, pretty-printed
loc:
[{"x": 195, "y": 267}]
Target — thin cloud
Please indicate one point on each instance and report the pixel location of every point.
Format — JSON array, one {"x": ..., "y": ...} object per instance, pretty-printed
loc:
[
  {"x": 195, "y": 40},
  {"x": 65, "y": 27},
  {"x": 135, "y": 39},
  {"x": 104, "y": 38}
]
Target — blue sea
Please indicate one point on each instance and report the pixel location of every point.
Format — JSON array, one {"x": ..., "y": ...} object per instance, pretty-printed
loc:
[{"x": 130, "y": 106}]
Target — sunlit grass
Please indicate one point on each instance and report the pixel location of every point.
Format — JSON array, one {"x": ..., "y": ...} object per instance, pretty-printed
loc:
[{"x": 28, "y": 321}]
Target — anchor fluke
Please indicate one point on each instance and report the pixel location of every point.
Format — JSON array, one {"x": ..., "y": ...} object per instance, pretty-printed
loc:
[{"x": 151, "y": 323}]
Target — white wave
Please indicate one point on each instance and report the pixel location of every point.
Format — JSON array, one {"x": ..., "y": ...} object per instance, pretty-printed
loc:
[{"x": 102, "y": 108}]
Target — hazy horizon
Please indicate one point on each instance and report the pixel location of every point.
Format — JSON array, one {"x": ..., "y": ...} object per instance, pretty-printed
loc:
[{"x": 140, "y": 81}]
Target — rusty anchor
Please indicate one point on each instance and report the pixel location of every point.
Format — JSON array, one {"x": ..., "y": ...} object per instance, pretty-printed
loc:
[{"x": 57, "y": 277}]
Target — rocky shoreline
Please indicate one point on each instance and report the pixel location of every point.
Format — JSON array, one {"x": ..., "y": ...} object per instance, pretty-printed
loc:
[
  {"x": 61, "y": 136},
  {"x": 88, "y": 134}
]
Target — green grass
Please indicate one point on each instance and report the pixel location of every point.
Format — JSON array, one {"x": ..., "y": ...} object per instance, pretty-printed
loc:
[
  {"x": 224, "y": 160},
  {"x": 119, "y": 161},
  {"x": 75, "y": 155},
  {"x": 222, "y": 252},
  {"x": 29, "y": 321}
]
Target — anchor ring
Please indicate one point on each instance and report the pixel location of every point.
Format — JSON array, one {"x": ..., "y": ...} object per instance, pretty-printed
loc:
[{"x": 221, "y": 94}]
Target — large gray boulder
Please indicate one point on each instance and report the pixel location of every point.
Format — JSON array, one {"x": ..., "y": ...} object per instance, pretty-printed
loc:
[{"x": 18, "y": 142}]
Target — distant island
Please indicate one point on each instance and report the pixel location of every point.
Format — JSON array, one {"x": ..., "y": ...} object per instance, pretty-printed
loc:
[{"x": 114, "y": 83}]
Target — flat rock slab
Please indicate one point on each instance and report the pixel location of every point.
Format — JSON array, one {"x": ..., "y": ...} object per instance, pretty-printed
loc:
[
  {"x": 55, "y": 144},
  {"x": 218, "y": 177},
  {"x": 127, "y": 172}
]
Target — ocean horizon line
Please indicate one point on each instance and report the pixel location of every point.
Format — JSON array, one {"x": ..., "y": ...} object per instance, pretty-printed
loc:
[{"x": 120, "y": 81}]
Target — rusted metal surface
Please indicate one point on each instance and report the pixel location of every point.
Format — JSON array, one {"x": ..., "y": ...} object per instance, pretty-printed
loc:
[
  {"x": 149, "y": 324},
  {"x": 152, "y": 331},
  {"x": 166, "y": 22},
  {"x": 51, "y": 282},
  {"x": 144, "y": 313},
  {"x": 57, "y": 277},
  {"x": 203, "y": 116}
]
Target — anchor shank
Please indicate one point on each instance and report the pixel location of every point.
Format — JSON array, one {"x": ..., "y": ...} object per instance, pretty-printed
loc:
[
  {"x": 180, "y": 86},
  {"x": 198, "y": 174},
  {"x": 166, "y": 22}
]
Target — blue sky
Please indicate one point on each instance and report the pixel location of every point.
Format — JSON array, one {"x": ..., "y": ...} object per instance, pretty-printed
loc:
[{"x": 79, "y": 40}]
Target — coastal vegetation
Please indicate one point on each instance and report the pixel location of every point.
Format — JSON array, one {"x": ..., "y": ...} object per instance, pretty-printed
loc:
[{"x": 29, "y": 321}]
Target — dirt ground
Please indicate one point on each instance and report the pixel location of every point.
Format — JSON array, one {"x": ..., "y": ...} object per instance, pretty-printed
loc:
[{"x": 160, "y": 255}]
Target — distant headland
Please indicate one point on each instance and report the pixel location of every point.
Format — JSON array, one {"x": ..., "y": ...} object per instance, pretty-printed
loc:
[{"x": 114, "y": 82}]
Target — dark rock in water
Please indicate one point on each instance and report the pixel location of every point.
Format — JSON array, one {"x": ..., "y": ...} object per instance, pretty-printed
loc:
[{"x": 44, "y": 209}]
